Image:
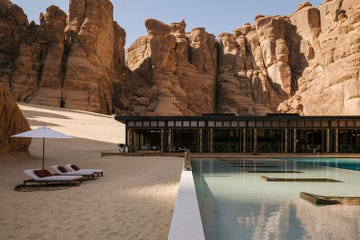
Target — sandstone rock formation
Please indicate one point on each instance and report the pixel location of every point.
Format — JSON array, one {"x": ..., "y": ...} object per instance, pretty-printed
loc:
[
  {"x": 63, "y": 65},
  {"x": 175, "y": 72},
  {"x": 328, "y": 81},
  {"x": 305, "y": 63},
  {"x": 11, "y": 122},
  {"x": 296, "y": 64}
]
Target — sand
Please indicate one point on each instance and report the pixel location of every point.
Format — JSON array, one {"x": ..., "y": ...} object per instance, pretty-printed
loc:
[{"x": 134, "y": 200}]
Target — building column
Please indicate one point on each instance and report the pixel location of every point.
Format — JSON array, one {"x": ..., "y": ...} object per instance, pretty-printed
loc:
[
  {"x": 201, "y": 140},
  {"x": 211, "y": 138},
  {"x": 255, "y": 140},
  {"x": 286, "y": 141},
  {"x": 162, "y": 140},
  {"x": 244, "y": 140},
  {"x": 336, "y": 140},
  {"x": 129, "y": 140},
  {"x": 170, "y": 140},
  {"x": 328, "y": 140},
  {"x": 295, "y": 141}
]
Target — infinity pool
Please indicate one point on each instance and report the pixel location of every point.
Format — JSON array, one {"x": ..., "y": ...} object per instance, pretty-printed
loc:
[{"x": 236, "y": 203}]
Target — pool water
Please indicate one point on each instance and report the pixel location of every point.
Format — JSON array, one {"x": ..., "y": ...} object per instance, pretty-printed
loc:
[
  {"x": 345, "y": 163},
  {"x": 237, "y": 204}
]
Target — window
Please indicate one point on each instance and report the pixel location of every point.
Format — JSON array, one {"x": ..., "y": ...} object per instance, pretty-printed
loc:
[
  {"x": 193, "y": 123},
  {"x": 211, "y": 123}
]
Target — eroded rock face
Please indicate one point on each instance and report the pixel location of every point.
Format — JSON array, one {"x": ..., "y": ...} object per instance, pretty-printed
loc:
[
  {"x": 306, "y": 63},
  {"x": 175, "y": 72},
  {"x": 11, "y": 122},
  {"x": 328, "y": 81},
  {"x": 62, "y": 64}
]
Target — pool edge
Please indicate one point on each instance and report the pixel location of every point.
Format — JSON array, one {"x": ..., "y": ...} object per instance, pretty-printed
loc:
[{"x": 186, "y": 221}]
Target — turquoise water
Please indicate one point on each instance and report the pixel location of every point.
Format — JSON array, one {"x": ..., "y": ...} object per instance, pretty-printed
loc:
[
  {"x": 345, "y": 163},
  {"x": 237, "y": 204}
]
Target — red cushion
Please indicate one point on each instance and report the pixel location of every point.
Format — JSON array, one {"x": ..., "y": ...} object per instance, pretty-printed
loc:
[
  {"x": 76, "y": 168},
  {"x": 62, "y": 169},
  {"x": 42, "y": 173}
]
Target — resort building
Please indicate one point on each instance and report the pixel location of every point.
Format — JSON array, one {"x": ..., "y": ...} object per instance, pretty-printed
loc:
[{"x": 278, "y": 133}]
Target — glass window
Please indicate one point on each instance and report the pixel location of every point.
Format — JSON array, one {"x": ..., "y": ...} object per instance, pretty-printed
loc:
[
  {"x": 357, "y": 123},
  {"x": 334, "y": 123},
  {"x": 146, "y": 124},
  {"x": 131, "y": 124},
  {"x": 211, "y": 123},
  {"x": 283, "y": 123},
  {"x": 202, "y": 124},
  {"x": 226, "y": 124},
  {"x": 325, "y": 123},
  {"x": 350, "y": 123},
  {"x": 316, "y": 123},
  {"x": 342, "y": 123},
  {"x": 154, "y": 123},
  {"x": 234, "y": 124},
  {"x": 138, "y": 123},
  {"x": 251, "y": 123},
  {"x": 186, "y": 124},
  {"x": 219, "y": 124},
  {"x": 170, "y": 123},
  {"x": 242, "y": 124},
  {"x": 193, "y": 123},
  {"x": 275, "y": 123},
  {"x": 301, "y": 124},
  {"x": 161, "y": 123},
  {"x": 178, "y": 124},
  {"x": 267, "y": 124},
  {"x": 259, "y": 123}
]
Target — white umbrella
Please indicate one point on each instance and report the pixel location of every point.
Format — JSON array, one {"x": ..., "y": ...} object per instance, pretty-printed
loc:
[{"x": 42, "y": 132}]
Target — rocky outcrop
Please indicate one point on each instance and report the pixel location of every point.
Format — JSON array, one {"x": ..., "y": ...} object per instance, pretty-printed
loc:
[
  {"x": 175, "y": 72},
  {"x": 327, "y": 79},
  {"x": 305, "y": 63},
  {"x": 11, "y": 122},
  {"x": 296, "y": 64},
  {"x": 63, "y": 63}
]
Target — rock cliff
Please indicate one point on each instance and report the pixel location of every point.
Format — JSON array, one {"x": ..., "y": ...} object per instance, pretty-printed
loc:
[
  {"x": 176, "y": 72},
  {"x": 11, "y": 122},
  {"x": 68, "y": 61},
  {"x": 305, "y": 63}
]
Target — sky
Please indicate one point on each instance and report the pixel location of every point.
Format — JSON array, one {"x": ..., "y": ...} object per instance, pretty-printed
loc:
[{"x": 215, "y": 16}]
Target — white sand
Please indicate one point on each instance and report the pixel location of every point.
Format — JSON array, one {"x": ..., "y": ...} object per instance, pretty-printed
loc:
[{"x": 134, "y": 200}]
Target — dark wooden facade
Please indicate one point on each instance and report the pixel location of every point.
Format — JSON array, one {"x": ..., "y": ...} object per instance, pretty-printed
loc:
[{"x": 286, "y": 133}]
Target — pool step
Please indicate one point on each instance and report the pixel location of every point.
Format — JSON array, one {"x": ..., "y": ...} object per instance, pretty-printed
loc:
[
  {"x": 272, "y": 179},
  {"x": 271, "y": 171},
  {"x": 327, "y": 200}
]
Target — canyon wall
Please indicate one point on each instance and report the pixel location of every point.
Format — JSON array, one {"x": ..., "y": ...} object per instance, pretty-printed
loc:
[
  {"x": 306, "y": 63},
  {"x": 65, "y": 61}
]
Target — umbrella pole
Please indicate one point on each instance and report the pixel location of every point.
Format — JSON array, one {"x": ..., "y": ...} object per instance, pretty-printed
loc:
[{"x": 43, "y": 153}]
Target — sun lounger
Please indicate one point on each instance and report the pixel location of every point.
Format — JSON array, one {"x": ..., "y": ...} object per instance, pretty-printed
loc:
[
  {"x": 61, "y": 170},
  {"x": 44, "y": 176},
  {"x": 73, "y": 167}
]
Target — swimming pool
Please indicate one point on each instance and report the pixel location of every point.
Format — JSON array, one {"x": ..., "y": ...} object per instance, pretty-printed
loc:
[{"x": 235, "y": 203}]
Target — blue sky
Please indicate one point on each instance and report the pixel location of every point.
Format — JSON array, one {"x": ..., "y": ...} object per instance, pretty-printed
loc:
[{"x": 215, "y": 16}]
